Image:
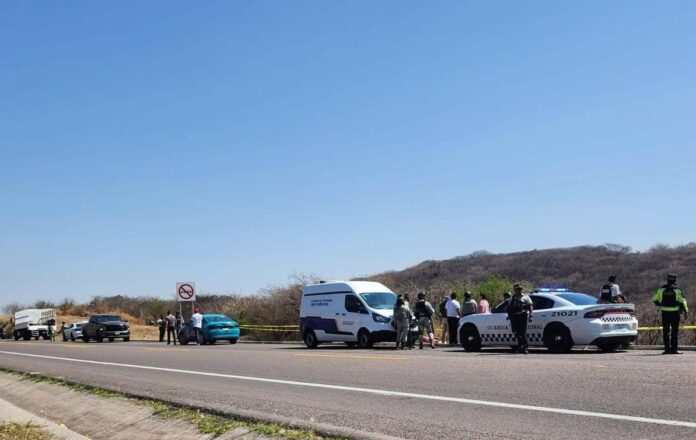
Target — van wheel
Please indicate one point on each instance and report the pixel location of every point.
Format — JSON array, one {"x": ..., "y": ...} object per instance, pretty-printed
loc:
[
  {"x": 557, "y": 338},
  {"x": 364, "y": 339},
  {"x": 310, "y": 339},
  {"x": 470, "y": 339}
]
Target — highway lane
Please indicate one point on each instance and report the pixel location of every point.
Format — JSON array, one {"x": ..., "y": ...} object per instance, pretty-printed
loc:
[{"x": 635, "y": 384}]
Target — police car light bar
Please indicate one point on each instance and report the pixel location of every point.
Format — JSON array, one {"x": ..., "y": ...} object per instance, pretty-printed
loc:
[{"x": 552, "y": 289}]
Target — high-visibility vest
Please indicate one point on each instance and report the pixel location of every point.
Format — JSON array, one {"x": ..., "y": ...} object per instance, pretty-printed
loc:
[{"x": 670, "y": 299}]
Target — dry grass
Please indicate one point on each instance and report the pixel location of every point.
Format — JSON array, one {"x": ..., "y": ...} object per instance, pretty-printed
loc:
[{"x": 23, "y": 431}]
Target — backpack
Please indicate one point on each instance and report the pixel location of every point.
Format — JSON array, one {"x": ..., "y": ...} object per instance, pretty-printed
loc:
[
  {"x": 605, "y": 293},
  {"x": 468, "y": 308},
  {"x": 443, "y": 309},
  {"x": 669, "y": 296},
  {"x": 422, "y": 311}
]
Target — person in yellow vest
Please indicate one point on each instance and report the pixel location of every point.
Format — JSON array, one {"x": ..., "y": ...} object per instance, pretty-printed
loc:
[{"x": 672, "y": 303}]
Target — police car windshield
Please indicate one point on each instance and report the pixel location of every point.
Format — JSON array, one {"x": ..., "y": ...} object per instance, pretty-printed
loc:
[
  {"x": 579, "y": 299},
  {"x": 379, "y": 300}
]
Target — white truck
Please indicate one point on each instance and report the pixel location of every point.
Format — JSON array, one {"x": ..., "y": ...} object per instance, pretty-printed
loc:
[{"x": 34, "y": 323}]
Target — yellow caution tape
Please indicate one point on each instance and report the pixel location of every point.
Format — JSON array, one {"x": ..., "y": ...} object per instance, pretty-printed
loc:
[
  {"x": 271, "y": 329},
  {"x": 686, "y": 327}
]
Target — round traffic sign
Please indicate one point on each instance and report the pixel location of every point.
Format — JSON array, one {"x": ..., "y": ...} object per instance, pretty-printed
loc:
[{"x": 186, "y": 291}]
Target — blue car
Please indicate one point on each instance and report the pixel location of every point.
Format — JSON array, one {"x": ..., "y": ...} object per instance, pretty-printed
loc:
[{"x": 215, "y": 328}]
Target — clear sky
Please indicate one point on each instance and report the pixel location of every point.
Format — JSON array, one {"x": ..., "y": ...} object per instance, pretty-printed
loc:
[{"x": 235, "y": 143}]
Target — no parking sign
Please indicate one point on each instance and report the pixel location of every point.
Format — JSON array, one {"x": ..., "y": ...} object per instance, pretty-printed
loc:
[{"x": 186, "y": 291}]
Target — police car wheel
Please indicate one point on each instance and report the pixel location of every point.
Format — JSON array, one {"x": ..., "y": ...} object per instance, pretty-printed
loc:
[
  {"x": 608, "y": 347},
  {"x": 310, "y": 339},
  {"x": 470, "y": 339},
  {"x": 557, "y": 338}
]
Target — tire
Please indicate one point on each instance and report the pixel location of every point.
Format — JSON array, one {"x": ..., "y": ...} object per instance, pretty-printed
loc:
[
  {"x": 72, "y": 338},
  {"x": 351, "y": 344},
  {"x": 470, "y": 339},
  {"x": 608, "y": 347},
  {"x": 233, "y": 341},
  {"x": 111, "y": 339},
  {"x": 100, "y": 339},
  {"x": 557, "y": 338},
  {"x": 16, "y": 336},
  {"x": 212, "y": 342},
  {"x": 85, "y": 339},
  {"x": 126, "y": 339},
  {"x": 310, "y": 339},
  {"x": 365, "y": 339}
]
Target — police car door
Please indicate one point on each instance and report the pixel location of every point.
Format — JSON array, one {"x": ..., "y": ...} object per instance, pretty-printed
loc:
[
  {"x": 540, "y": 317},
  {"x": 497, "y": 329},
  {"x": 350, "y": 318}
]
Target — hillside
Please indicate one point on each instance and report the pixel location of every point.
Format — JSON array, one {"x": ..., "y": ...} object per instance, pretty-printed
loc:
[{"x": 583, "y": 269}]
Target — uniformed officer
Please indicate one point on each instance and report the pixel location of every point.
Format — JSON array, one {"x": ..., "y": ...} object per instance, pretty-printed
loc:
[
  {"x": 672, "y": 303},
  {"x": 519, "y": 313},
  {"x": 424, "y": 312}
]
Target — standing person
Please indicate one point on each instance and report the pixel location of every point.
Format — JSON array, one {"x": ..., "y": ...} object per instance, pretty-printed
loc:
[
  {"x": 424, "y": 313},
  {"x": 483, "y": 306},
  {"x": 443, "y": 318},
  {"x": 62, "y": 331},
  {"x": 171, "y": 328},
  {"x": 519, "y": 313},
  {"x": 672, "y": 303},
  {"x": 162, "y": 325},
  {"x": 179, "y": 324},
  {"x": 611, "y": 292},
  {"x": 197, "y": 324},
  {"x": 402, "y": 318},
  {"x": 452, "y": 318},
  {"x": 469, "y": 306}
]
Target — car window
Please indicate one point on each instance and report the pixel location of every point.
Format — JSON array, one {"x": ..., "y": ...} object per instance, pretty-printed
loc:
[
  {"x": 353, "y": 304},
  {"x": 579, "y": 299},
  {"x": 542, "y": 303},
  {"x": 500, "y": 308}
]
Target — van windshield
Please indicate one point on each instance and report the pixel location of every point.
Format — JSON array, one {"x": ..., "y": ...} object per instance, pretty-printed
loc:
[{"x": 379, "y": 300}]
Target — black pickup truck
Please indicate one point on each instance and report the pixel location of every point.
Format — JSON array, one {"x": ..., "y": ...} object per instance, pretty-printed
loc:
[{"x": 100, "y": 327}]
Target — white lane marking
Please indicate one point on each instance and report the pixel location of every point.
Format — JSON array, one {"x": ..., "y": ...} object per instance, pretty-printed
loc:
[{"x": 571, "y": 412}]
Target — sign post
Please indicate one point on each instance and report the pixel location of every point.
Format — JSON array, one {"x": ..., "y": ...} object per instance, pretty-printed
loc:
[{"x": 186, "y": 292}]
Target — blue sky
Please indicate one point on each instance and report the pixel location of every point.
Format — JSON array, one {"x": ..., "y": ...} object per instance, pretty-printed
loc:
[{"x": 236, "y": 143}]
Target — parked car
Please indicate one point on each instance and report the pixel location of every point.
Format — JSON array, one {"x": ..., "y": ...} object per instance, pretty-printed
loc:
[
  {"x": 215, "y": 328},
  {"x": 73, "y": 331},
  {"x": 100, "y": 327},
  {"x": 561, "y": 319}
]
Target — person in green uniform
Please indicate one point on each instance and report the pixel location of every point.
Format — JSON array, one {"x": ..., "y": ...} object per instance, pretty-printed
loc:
[{"x": 672, "y": 304}]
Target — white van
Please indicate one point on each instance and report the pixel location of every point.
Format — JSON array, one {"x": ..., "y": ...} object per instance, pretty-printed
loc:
[{"x": 354, "y": 312}]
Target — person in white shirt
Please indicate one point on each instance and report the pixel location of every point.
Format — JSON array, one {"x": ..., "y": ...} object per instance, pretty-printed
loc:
[
  {"x": 453, "y": 318},
  {"x": 197, "y": 323},
  {"x": 611, "y": 292}
]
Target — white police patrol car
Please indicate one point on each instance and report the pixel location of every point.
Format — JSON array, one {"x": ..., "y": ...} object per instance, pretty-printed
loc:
[{"x": 561, "y": 319}]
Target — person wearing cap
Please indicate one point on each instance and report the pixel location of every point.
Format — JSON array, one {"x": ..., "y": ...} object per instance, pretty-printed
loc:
[
  {"x": 424, "y": 313},
  {"x": 520, "y": 313},
  {"x": 672, "y": 304},
  {"x": 197, "y": 324},
  {"x": 452, "y": 318},
  {"x": 611, "y": 292},
  {"x": 469, "y": 306}
]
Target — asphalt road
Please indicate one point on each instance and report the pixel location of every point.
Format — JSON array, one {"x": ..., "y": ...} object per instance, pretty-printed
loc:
[{"x": 435, "y": 394}]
